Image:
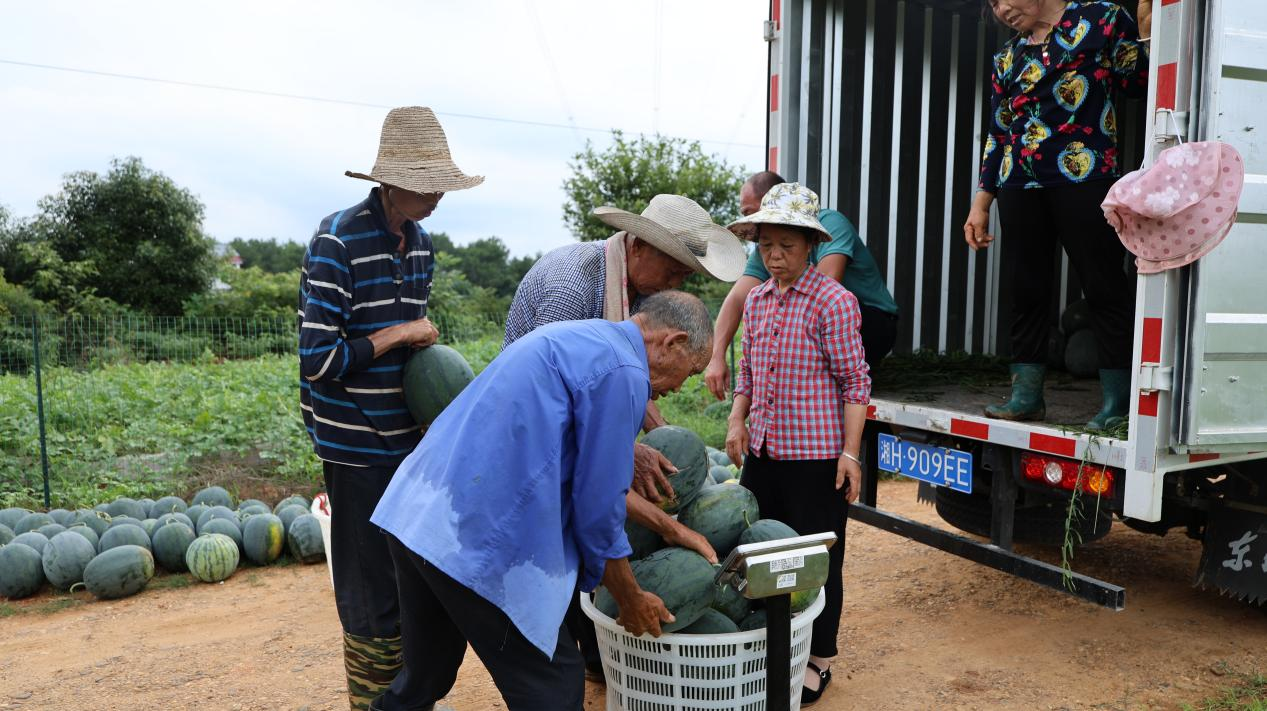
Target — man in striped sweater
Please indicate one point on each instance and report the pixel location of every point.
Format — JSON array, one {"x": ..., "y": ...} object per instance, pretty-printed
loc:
[{"x": 364, "y": 288}]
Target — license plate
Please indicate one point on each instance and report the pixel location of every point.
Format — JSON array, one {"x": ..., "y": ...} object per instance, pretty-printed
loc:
[{"x": 940, "y": 466}]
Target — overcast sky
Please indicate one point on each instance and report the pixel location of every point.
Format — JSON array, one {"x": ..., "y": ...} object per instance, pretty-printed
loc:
[{"x": 273, "y": 167}]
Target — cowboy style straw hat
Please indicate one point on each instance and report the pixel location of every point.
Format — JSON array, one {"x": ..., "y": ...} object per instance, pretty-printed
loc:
[
  {"x": 788, "y": 204},
  {"x": 413, "y": 155},
  {"x": 682, "y": 229}
]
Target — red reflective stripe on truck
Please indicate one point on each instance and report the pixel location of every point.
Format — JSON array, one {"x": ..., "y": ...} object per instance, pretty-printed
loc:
[
  {"x": 1167, "y": 76},
  {"x": 1163, "y": 2},
  {"x": 774, "y": 93},
  {"x": 1150, "y": 351},
  {"x": 1148, "y": 404},
  {"x": 1201, "y": 457},
  {"x": 870, "y": 412},
  {"x": 968, "y": 428},
  {"x": 774, "y": 159},
  {"x": 1052, "y": 445},
  {"x": 776, "y": 9}
]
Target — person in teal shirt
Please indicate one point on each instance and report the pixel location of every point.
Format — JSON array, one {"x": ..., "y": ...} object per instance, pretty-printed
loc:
[{"x": 845, "y": 258}]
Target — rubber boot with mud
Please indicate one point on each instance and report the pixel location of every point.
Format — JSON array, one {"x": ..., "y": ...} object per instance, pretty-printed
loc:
[
  {"x": 1026, "y": 402},
  {"x": 1116, "y": 388},
  {"x": 370, "y": 664}
]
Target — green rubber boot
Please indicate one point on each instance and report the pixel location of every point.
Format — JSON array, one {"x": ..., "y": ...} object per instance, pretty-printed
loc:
[
  {"x": 1116, "y": 388},
  {"x": 1026, "y": 402},
  {"x": 370, "y": 663}
]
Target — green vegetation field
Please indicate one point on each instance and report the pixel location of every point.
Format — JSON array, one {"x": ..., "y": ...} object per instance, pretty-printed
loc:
[{"x": 150, "y": 429}]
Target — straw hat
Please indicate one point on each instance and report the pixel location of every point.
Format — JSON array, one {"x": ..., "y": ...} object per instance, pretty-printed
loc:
[
  {"x": 682, "y": 229},
  {"x": 413, "y": 155},
  {"x": 790, "y": 204}
]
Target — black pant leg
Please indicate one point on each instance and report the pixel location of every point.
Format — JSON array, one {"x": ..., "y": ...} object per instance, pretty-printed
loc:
[
  {"x": 582, "y": 630},
  {"x": 1102, "y": 264},
  {"x": 527, "y": 679},
  {"x": 364, "y": 578},
  {"x": 1029, "y": 243},
  {"x": 879, "y": 333},
  {"x": 433, "y": 646}
]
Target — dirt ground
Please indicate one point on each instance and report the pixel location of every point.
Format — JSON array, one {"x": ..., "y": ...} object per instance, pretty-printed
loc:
[{"x": 922, "y": 630}]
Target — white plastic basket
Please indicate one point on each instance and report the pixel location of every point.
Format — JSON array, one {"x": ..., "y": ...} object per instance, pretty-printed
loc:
[
  {"x": 321, "y": 509},
  {"x": 694, "y": 672}
]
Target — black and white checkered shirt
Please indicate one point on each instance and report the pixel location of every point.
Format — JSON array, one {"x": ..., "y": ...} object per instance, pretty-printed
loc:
[{"x": 566, "y": 284}]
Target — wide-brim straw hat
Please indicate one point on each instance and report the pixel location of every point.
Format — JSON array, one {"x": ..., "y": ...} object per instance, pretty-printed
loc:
[
  {"x": 788, "y": 204},
  {"x": 680, "y": 228},
  {"x": 413, "y": 154}
]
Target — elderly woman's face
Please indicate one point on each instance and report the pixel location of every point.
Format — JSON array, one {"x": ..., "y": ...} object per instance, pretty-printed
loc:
[
  {"x": 1021, "y": 15},
  {"x": 785, "y": 251}
]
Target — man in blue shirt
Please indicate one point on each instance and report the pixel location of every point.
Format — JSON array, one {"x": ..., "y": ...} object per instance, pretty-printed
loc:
[
  {"x": 845, "y": 258},
  {"x": 517, "y": 495},
  {"x": 364, "y": 287}
]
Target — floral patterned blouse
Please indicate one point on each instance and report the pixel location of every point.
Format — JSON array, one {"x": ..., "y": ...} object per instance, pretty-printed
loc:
[{"x": 1052, "y": 120}]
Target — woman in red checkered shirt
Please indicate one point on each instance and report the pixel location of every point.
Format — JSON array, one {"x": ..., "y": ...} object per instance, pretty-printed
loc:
[{"x": 802, "y": 394}]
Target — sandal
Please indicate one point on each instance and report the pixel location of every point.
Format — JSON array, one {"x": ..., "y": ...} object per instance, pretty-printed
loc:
[{"x": 808, "y": 695}]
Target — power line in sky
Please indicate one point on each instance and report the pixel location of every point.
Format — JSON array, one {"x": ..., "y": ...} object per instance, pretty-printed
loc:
[{"x": 325, "y": 100}]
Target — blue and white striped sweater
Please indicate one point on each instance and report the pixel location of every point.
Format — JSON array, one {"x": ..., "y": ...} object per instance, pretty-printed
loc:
[{"x": 354, "y": 283}]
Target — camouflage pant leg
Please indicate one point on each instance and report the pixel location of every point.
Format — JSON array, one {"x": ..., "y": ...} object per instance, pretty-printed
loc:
[{"x": 370, "y": 663}]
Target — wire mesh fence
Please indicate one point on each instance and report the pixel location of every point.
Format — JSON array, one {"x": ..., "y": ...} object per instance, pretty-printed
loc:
[{"x": 92, "y": 406}]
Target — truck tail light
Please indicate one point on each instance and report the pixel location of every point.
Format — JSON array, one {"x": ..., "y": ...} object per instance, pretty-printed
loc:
[{"x": 1060, "y": 473}]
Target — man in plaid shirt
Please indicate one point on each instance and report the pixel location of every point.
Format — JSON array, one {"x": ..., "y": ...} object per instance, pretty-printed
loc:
[{"x": 800, "y": 402}]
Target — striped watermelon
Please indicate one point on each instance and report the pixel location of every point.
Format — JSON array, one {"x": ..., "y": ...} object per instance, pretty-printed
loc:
[{"x": 212, "y": 557}]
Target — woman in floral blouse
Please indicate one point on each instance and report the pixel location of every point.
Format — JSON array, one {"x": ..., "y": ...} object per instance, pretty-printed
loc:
[
  {"x": 801, "y": 397},
  {"x": 1051, "y": 154}
]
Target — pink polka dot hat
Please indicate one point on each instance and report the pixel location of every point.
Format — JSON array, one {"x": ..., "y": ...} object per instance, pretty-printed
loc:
[{"x": 1178, "y": 209}]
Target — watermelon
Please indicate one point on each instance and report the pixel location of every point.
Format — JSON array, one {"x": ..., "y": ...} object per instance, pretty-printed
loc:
[
  {"x": 643, "y": 540},
  {"x": 252, "y": 510},
  {"x": 193, "y": 512},
  {"x": 6, "y": 534},
  {"x": 720, "y": 514},
  {"x": 124, "y": 521},
  {"x": 711, "y": 622},
  {"x": 32, "y": 522},
  {"x": 1082, "y": 357},
  {"x": 718, "y": 458},
  {"x": 223, "y": 512},
  {"x": 304, "y": 541},
  {"x": 174, "y": 516},
  {"x": 295, "y": 499},
  {"x": 290, "y": 513},
  {"x": 1076, "y": 317},
  {"x": 149, "y": 525},
  {"x": 718, "y": 474},
  {"x": 718, "y": 410},
  {"x": 124, "y": 506},
  {"x": 171, "y": 540},
  {"x": 31, "y": 539},
  {"x": 168, "y": 504},
  {"x": 767, "y": 529},
  {"x": 101, "y": 508},
  {"x": 211, "y": 557},
  {"x": 224, "y": 527},
  {"x": 21, "y": 571},
  {"x": 51, "y": 529},
  {"x": 62, "y": 516},
  {"x": 148, "y": 506},
  {"x": 433, "y": 378},
  {"x": 124, "y": 536},
  {"x": 92, "y": 519},
  {"x": 252, "y": 502},
  {"x": 10, "y": 517},
  {"x": 86, "y": 532},
  {"x": 65, "y": 557},
  {"x": 686, "y": 450},
  {"x": 214, "y": 496},
  {"x": 802, "y": 599},
  {"x": 263, "y": 538},
  {"x": 755, "y": 621},
  {"x": 682, "y": 578},
  {"x": 119, "y": 572},
  {"x": 731, "y": 603}
]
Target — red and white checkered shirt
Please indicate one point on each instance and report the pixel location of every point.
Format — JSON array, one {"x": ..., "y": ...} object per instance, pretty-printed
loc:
[{"x": 802, "y": 362}]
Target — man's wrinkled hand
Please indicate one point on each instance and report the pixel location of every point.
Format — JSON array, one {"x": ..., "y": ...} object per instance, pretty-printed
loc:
[
  {"x": 420, "y": 333},
  {"x": 684, "y": 537},
  {"x": 651, "y": 470},
  {"x": 644, "y": 614}
]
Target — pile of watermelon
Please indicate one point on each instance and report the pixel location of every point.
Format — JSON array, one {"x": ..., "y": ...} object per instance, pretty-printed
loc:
[
  {"x": 707, "y": 499},
  {"x": 114, "y": 549}
]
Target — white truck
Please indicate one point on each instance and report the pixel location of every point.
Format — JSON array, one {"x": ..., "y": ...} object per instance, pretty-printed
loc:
[{"x": 879, "y": 106}]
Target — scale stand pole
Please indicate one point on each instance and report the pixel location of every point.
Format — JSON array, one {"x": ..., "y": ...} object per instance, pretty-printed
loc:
[{"x": 778, "y": 653}]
